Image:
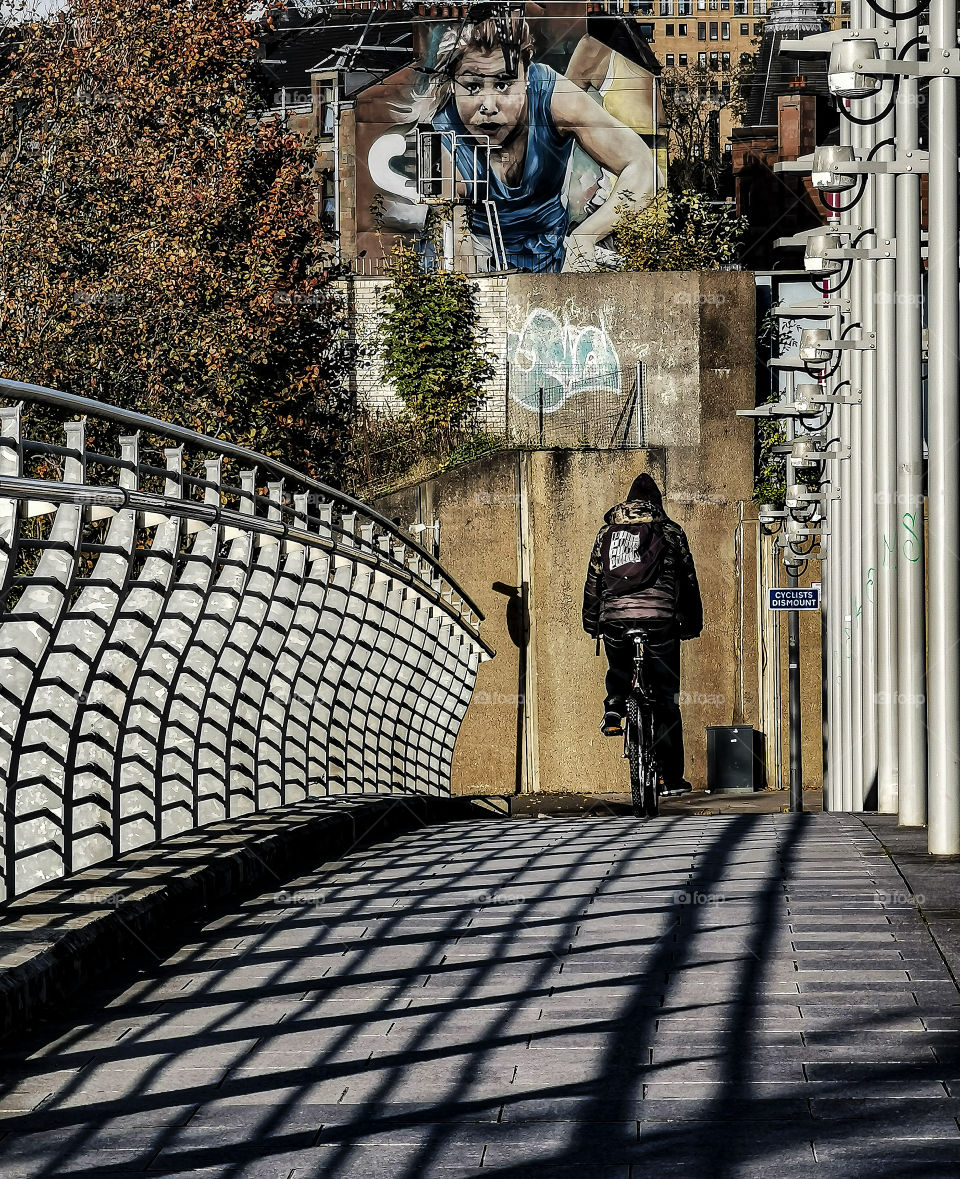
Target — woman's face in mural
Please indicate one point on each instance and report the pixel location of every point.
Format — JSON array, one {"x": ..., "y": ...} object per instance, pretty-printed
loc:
[{"x": 489, "y": 101}]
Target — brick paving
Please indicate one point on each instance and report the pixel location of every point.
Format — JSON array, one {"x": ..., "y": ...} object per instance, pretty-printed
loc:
[{"x": 719, "y": 995}]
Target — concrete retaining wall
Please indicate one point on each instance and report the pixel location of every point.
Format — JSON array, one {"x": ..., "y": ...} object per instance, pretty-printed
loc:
[{"x": 518, "y": 527}]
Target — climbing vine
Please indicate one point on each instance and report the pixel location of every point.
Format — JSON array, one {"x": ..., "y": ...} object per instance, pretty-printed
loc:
[{"x": 433, "y": 349}]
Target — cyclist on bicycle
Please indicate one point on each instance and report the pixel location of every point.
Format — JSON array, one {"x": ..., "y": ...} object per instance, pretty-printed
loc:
[{"x": 641, "y": 573}]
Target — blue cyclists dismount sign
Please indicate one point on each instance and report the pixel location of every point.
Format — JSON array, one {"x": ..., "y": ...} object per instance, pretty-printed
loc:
[{"x": 795, "y": 599}]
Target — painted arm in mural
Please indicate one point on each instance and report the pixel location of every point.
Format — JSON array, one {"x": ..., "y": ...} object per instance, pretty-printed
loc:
[{"x": 615, "y": 147}]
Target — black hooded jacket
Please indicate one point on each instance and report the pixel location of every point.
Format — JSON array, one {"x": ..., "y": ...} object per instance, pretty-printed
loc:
[{"x": 673, "y": 597}]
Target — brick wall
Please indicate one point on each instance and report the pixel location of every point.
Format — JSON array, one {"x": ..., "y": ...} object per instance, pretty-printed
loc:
[{"x": 377, "y": 394}]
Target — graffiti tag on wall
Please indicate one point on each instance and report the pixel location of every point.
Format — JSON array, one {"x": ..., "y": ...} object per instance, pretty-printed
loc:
[{"x": 561, "y": 359}]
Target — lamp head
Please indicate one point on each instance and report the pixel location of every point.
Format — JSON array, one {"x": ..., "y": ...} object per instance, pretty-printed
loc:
[
  {"x": 824, "y": 158},
  {"x": 843, "y": 78},
  {"x": 814, "y": 344},
  {"x": 814, "y": 259}
]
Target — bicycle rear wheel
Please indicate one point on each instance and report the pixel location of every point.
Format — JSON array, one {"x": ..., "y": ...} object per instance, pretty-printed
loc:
[
  {"x": 634, "y": 755},
  {"x": 648, "y": 766}
]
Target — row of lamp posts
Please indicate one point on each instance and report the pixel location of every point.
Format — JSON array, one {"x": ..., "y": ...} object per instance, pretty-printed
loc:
[{"x": 854, "y": 409}]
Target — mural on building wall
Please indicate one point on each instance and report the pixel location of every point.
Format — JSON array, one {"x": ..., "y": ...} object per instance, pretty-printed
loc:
[
  {"x": 552, "y": 361},
  {"x": 556, "y": 134}
]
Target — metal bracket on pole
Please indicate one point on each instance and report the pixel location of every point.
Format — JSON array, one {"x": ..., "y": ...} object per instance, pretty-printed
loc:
[
  {"x": 910, "y": 162},
  {"x": 946, "y": 65},
  {"x": 824, "y": 310},
  {"x": 817, "y": 42},
  {"x": 887, "y": 251}
]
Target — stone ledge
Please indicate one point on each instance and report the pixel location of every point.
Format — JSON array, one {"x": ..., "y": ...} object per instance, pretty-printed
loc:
[{"x": 61, "y": 936}]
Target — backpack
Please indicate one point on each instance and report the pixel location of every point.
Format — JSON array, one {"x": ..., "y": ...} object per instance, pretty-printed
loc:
[{"x": 632, "y": 557}]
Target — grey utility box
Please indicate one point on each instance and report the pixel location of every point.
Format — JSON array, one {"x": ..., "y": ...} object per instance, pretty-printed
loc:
[{"x": 735, "y": 758}]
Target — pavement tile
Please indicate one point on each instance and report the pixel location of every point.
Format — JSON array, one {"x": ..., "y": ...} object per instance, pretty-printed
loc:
[{"x": 406, "y": 1026}]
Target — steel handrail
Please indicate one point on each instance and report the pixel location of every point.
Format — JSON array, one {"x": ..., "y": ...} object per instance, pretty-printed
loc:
[
  {"x": 122, "y": 498},
  {"x": 125, "y": 417}
]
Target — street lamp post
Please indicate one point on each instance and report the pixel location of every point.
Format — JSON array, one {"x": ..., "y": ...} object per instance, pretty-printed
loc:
[
  {"x": 909, "y": 545},
  {"x": 943, "y": 675}
]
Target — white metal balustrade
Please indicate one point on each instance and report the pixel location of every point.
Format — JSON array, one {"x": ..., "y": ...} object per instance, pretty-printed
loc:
[{"x": 190, "y": 631}]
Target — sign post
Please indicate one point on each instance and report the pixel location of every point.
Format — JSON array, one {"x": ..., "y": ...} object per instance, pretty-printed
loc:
[{"x": 793, "y": 599}]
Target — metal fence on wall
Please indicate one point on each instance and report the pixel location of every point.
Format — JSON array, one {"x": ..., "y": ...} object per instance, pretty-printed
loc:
[
  {"x": 569, "y": 405},
  {"x": 190, "y": 631}
]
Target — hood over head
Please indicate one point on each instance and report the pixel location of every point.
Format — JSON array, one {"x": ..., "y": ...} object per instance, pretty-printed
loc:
[{"x": 645, "y": 487}]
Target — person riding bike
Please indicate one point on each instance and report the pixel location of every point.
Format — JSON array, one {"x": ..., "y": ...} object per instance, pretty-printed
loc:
[{"x": 641, "y": 572}]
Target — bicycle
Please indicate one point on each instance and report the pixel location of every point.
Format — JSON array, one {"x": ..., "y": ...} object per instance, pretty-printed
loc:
[{"x": 638, "y": 739}]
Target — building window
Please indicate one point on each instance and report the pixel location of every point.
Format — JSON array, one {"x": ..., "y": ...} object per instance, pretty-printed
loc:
[
  {"x": 684, "y": 7},
  {"x": 759, "y": 8},
  {"x": 683, "y": 59},
  {"x": 714, "y": 62},
  {"x": 744, "y": 30},
  {"x": 758, "y": 30},
  {"x": 666, "y": 7},
  {"x": 701, "y": 30},
  {"x": 724, "y": 61},
  {"x": 327, "y": 95},
  {"x": 701, "y": 5},
  {"x": 702, "y": 61},
  {"x": 669, "y": 61},
  {"x": 725, "y": 5},
  {"x": 328, "y": 199},
  {"x": 725, "y": 90},
  {"x": 714, "y": 31},
  {"x": 739, "y": 7},
  {"x": 725, "y": 31},
  {"x": 682, "y": 30},
  {"x": 669, "y": 30}
]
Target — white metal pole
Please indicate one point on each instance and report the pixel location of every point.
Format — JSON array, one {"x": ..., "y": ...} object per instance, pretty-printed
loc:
[
  {"x": 943, "y": 675},
  {"x": 909, "y": 546}
]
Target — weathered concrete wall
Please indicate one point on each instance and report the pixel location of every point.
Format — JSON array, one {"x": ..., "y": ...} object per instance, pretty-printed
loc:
[
  {"x": 588, "y": 340},
  {"x": 517, "y": 528}
]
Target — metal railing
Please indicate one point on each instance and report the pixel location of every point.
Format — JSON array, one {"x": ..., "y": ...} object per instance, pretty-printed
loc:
[{"x": 190, "y": 631}]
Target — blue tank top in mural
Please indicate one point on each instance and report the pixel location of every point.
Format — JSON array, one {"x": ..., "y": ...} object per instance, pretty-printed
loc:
[{"x": 533, "y": 217}]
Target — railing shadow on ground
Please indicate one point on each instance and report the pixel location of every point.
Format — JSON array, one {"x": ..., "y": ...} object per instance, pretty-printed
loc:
[{"x": 319, "y": 1098}]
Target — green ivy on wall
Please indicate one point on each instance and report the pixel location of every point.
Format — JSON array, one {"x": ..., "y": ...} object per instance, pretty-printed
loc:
[{"x": 433, "y": 349}]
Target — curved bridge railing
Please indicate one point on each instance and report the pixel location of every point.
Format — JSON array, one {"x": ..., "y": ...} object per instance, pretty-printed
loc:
[{"x": 190, "y": 631}]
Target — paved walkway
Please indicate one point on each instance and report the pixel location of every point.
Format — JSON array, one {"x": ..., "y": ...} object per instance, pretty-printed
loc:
[{"x": 737, "y": 995}]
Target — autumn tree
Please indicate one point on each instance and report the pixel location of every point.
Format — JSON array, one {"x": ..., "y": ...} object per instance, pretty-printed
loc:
[
  {"x": 679, "y": 231},
  {"x": 694, "y": 99},
  {"x": 160, "y": 248}
]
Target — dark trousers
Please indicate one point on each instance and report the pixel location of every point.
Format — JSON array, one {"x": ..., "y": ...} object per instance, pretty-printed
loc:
[{"x": 662, "y": 675}]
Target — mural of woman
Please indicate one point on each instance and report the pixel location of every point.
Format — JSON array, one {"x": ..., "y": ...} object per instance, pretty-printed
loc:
[{"x": 532, "y": 119}]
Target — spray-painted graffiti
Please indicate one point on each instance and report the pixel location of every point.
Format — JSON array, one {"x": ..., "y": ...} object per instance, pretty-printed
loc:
[{"x": 561, "y": 359}]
